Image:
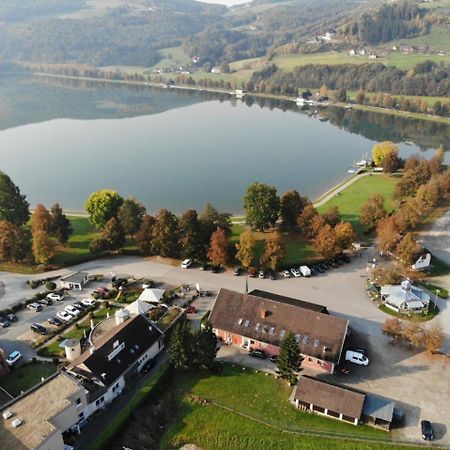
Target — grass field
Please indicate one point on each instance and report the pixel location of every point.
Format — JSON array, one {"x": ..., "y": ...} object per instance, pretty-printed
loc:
[
  {"x": 353, "y": 198},
  {"x": 252, "y": 397},
  {"x": 26, "y": 376},
  {"x": 438, "y": 39},
  {"x": 77, "y": 249}
]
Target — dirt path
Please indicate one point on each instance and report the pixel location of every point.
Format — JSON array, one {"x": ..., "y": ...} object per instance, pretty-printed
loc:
[{"x": 437, "y": 238}]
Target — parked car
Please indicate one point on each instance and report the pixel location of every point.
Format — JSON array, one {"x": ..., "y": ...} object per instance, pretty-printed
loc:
[
  {"x": 314, "y": 271},
  {"x": 261, "y": 274},
  {"x": 305, "y": 271},
  {"x": 215, "y": 269},
  {"x": 119, "y": 282},
  {"x": 319, "y": 268},
  {"x": 80, "y": 306},
  {"x": 274, "y": 358},
  {"x": 13, "y": 357},
  {"x": 296, "y": 272},
  {"x": 102, "y": 293},
  {"x": 205, "y": 266},
  {"x": 55, "y": 297},
  {"x": 272, "y": 275},
  {"x": 11, "y": 317},
  {"x": 45, "y": 302},
  {"x": 427, "y": 430},
  {"x": 356, "y": 358},
  {"x": 37, "y": 328},
  {"x": 252, "y": 273},
  {"x": 256, "y": 353},
  {"x": 64, "y": 316},
  {"x": 54, "y": 321},
  {"x": 88, "y": 302},
  {"x": 286, "y": 274},
  {"x": 343, "y": 258},
  {"x": 35, "y": 307},
  {"x": 237, "y": 271},
  {"x": 4, "y": 323},
  {"x": 191, "y": 309},
  {"x": 186, "y": 264},
  {"x": 72, "y": 310}
]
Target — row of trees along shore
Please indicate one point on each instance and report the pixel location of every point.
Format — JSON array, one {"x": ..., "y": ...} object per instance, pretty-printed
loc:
[{"x": 206, "y": 236}]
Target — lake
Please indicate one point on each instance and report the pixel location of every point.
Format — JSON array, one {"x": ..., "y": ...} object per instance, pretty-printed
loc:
[{"x": 62, "y": 139}]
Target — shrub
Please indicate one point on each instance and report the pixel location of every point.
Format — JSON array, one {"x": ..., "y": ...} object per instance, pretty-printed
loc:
[{"x": 50, "y": 285}]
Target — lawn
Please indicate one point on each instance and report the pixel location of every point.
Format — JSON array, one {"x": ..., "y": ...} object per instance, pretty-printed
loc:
[
  {"x": 353, "y": 198},
  {"x": 259, "y": 415},
  {"x": 26, "y": 376},
  {"x": 77, "y": 249},
  {"x": 438, "y": 39}
]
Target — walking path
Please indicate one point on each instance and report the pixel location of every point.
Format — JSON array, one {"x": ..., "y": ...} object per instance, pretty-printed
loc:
[{"x": 437, "y": 238}]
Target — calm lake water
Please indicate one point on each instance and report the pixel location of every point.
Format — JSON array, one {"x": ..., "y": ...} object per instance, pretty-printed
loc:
[{"x": 61, "y": 140}]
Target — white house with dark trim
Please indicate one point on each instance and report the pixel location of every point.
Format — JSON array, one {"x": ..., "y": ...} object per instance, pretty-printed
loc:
[{"x": 76, "y": 280}]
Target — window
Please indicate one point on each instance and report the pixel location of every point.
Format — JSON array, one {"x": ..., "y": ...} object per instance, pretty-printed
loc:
[
  {"x": 78, "y": 401},
  {"x": 282, "y": 333},
  {"x": 305, "y": 340},
  {"x": 316, "y": 342},
  {"x": 116, "y": 344},
  {"x": 272, "y": 330},
  {"x": 257, "y": 326},
  {"x": 81, "y": 416},
  {"x": 252, "y": 341},
  {"x": 297, "y": 338},
  {"x": 310, "y": 359}
]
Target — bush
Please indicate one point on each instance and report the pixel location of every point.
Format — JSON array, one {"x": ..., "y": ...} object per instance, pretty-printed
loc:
[{"x": 50, "y": 285}]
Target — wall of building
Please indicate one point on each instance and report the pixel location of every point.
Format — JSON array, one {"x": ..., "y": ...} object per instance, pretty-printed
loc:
[
  {"x": 54, "y": 442},
  {"x": 242, "y": 341}
]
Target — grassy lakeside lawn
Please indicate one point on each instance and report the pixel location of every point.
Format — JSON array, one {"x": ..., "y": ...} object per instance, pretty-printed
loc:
[
  {"x": 353, "y": 198},
  {"x": 261, "y": 397},
  {"x": 26, "y": 376},
  {"x": 77, "y": 249}
]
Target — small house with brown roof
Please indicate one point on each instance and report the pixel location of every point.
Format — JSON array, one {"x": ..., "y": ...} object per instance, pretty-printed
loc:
[
  {"x": 260, "y": 320},
  {"x": 329, "y": 400}
]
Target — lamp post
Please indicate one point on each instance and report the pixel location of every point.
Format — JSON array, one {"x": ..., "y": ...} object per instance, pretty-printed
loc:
[{"x": 436, "y": 293}]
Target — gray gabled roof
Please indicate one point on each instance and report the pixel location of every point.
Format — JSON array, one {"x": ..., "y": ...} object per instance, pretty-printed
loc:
[
  {"x": 378, "y": 408},
  {"x": 76, "y": 277}
]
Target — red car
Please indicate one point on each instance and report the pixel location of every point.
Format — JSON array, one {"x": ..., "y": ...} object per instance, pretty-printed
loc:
[
  {"x": 191, "y": 309},
  {"x": 252, "y": 273}
]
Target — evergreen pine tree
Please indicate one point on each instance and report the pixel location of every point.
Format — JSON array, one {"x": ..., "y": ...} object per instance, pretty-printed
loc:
[
  {"x": 289, "y": 358},
  {"x": 180, "y": 347},
  {"x": 61, "y": 228},
  {"x": 206, "y": 347}
]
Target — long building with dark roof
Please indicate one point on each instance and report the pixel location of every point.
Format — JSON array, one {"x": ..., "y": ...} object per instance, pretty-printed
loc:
[{"x": 260, "y": 320}]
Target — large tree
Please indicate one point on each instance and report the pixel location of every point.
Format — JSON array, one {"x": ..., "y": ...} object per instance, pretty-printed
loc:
[
  {"x": 181, "y": 348},
  {"x": 13, "y": 205},
  {"x": 165, "y": 234},
  {"x": 131, "y": 214},
  {"x": 407, "y": 249},
  {"x": 219, "y": 248},
  {"x": 261, "y": 204},
  {"x": 113, "y": 234},
  {"x": 206, "y": 343},
  {"x": 41, "y": 220},
  {"x": 289, "y": 359},
  {"x": 144, "y": 235},
  {"x": 332, "y": 216},
  {"x": 15, "y": 241},
  {"x": 43, "y": 247},
  {"x": 273, "y": 253},
  {"x": 61, "y": 227},
  {"x": 246, "y": 248},
  {"x": 102, "y": 206},
  {"x": 381, "y": 150},
  {"x": 388, "y": 234},
  {"x": 345, "y": 235},
  {"x": 190, "y": 236},
  {"x": 326, "y": 243},
  {"x": 304, "y": 220},
  {"x": 372, "y": 212},
  {"x": 291, "y": 206},
  {"x": 210, "y": 219}
]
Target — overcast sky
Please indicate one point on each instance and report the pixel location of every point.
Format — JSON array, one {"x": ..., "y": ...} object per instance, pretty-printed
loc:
[{"x": 226, "y": 2}]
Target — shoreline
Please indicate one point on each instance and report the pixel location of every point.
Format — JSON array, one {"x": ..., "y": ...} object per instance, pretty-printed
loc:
[{"x": 394, "y": 112}]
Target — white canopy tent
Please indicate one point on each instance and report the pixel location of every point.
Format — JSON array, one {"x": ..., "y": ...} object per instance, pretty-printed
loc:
[{"x": 151, "y": 295}]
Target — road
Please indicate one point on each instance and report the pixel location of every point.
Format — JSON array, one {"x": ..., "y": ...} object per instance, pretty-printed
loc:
[{"x": 437, "y": 238}]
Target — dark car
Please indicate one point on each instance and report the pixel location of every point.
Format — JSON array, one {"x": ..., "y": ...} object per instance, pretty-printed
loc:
[
  {"x": 215, "y": 269},
  {"x": 272, "y": 275},
  {"x": 45, "y": 302},
  {"x": 11, "y": 317},
  {"x": 237, "y": 271},
  {"x": 256, "y": 353},
  {"x": 119, "y": 282},
  {"x": 274, "y": 358},
  {"x": 4, "y": 322},
  {"x": 80, "y": 305},
  {"x": 314, "y": 271},
  {"x": 54, "y": 321},
  {"x": 36, "y": 328},
  {"x": 148, "y": 366},
  {"x": 427, "y": 430},
  {"x": 319, "y": 268},
  {"x": 204, "y": 266},
  {"x": 344, "y": 258}
]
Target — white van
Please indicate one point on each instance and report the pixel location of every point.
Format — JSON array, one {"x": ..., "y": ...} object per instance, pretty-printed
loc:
[
  {"x": 356, "y": 358},
  {"x": 186, "y": 264},
  {"x": 305, "y": 270}
]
